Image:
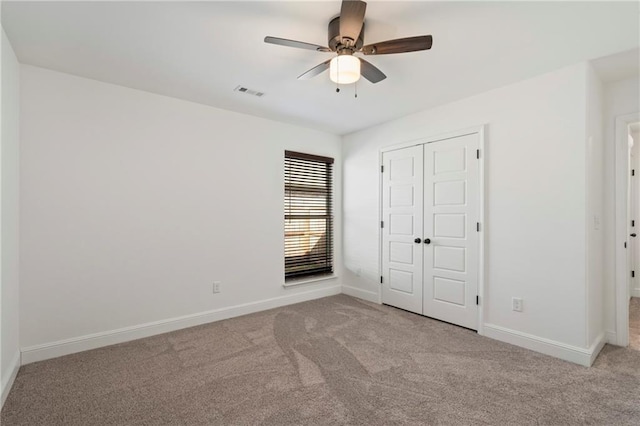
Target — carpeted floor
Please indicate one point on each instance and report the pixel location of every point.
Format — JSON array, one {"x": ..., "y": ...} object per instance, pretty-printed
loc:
[
  {"x": 634, "y": 323},
  {"x": 332, "y": 361}
]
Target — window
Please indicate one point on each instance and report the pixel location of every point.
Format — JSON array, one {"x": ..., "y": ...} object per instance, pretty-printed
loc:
[{"x": 308, "y": 220}]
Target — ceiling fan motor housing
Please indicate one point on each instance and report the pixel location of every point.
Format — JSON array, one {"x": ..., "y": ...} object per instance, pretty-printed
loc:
[{"x": 335, "y": 41}]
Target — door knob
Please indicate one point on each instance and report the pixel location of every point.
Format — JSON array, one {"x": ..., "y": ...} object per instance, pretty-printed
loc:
[
  {"x": 427, "y": 241},
  {"x": 633, "y": 235},
  {"x": 417, "y": 240}
]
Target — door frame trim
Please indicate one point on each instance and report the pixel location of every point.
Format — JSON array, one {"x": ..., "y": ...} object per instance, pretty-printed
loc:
[
  {"x": 481, "y": 130},
  {"x": 620, "y": 219}
]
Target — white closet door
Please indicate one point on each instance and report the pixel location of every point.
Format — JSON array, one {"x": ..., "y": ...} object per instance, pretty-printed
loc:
[
  {"x": 451, "y": 213},
  {"x": 402, "y": 181}
]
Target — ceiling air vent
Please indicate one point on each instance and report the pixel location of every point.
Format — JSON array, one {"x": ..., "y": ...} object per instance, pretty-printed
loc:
[{"x": 248, "y": 91}]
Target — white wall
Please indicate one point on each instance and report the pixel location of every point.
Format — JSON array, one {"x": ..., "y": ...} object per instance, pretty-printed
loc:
[
  {"x": 620, "y": 98},
  {"x": 10, "y": 350},
  {"x": 594, "y": 208},
  {"x": 134, "y": 203},
  {"x": 535, "y": 203}
]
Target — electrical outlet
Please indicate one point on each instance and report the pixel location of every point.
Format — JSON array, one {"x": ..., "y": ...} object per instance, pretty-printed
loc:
[
  {"x": 516, "y": 304},
  {"x": 216, "y": 286}
]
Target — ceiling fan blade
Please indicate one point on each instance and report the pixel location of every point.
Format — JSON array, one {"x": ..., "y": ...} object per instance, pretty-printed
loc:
[
  {"x": 400, "y": 45},
  {"x": 351, "y": 19},
  {"x": 318, "y": 69},
  {"x": 371, "y": 72},
  {"x": 294, "y": 43}
]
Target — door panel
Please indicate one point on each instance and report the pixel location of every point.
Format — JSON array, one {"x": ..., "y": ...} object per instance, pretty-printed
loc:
[
  {"x": 401, "y": 252},
  {"x": 449, "y": 193},
  {"x": 402, "y": 258},
  {"x": 447, "y": 258},
  {"x": 451, "y": 210},
  {"x": 401, "y": 196},
  {"x": 449, "y": 225},
  {"x": 401, "y": 224},
  {"x": 450, "y": 291},
  {"x": 402, "y": 281},
  {"x": 450, "y": 160}
]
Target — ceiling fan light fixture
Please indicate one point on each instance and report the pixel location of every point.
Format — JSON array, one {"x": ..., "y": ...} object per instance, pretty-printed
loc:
[
  {"x": 344, "y": 69},
  {"x": 346, "y": 37}
]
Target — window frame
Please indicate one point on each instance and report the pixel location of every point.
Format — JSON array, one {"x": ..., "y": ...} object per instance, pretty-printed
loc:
[{"x": 324, "y": 265}]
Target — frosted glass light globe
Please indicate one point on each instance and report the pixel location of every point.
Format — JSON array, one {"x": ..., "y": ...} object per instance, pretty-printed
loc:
[{"x": 344, "y": 69}]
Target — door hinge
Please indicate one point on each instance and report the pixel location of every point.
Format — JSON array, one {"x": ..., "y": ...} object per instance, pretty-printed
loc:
[
  {"x": 633, "y": 223},
  {"x": 478, "y": 154},
  {"x": 633, "y": 274},
  {"x": 380, "y": 279},
  {"x": 382, "y": 224},
  {"x": 633, "y": 172},
  {"x": 477, "y": 300},
  {"x": 625, "y": 244},
  {"x": 477, "y": 226},
  {"x": 381, "y": 169}
]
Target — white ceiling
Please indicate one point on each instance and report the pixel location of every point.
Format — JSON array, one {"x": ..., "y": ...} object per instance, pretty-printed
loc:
[{"x": 200, "y": 51}]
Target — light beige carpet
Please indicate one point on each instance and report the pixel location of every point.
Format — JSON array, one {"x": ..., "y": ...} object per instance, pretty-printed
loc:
[
  {"x": 634, "y": 323},
  {"x": 331, "y": 361}
]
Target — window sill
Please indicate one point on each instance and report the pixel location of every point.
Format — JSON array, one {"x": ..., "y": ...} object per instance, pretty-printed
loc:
[{"x": 302, "y": 281}]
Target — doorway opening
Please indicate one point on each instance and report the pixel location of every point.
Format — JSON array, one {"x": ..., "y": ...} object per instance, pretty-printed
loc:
[
  {"x": 633, "y": 131},
  {"x": 627, "y": 251}
]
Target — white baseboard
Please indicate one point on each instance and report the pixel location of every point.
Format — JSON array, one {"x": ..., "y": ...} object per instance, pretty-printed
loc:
[
  {"x": 560, "y": 350},
  {"x": 367, "y": 295},
  {"x": 97, "y": 340},
  {"x": 612, "y": 337},
  {"x": 635, "y": 292},
  {"x": 7, "y": 381}
]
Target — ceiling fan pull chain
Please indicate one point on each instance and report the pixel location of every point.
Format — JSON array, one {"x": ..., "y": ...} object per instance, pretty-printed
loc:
[
  {"x": 338, "y": 78},
  {"x": 356, "y": 88}
]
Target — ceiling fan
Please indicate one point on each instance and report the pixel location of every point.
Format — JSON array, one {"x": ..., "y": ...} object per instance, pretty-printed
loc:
[{"x": 346, "y": 38}]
